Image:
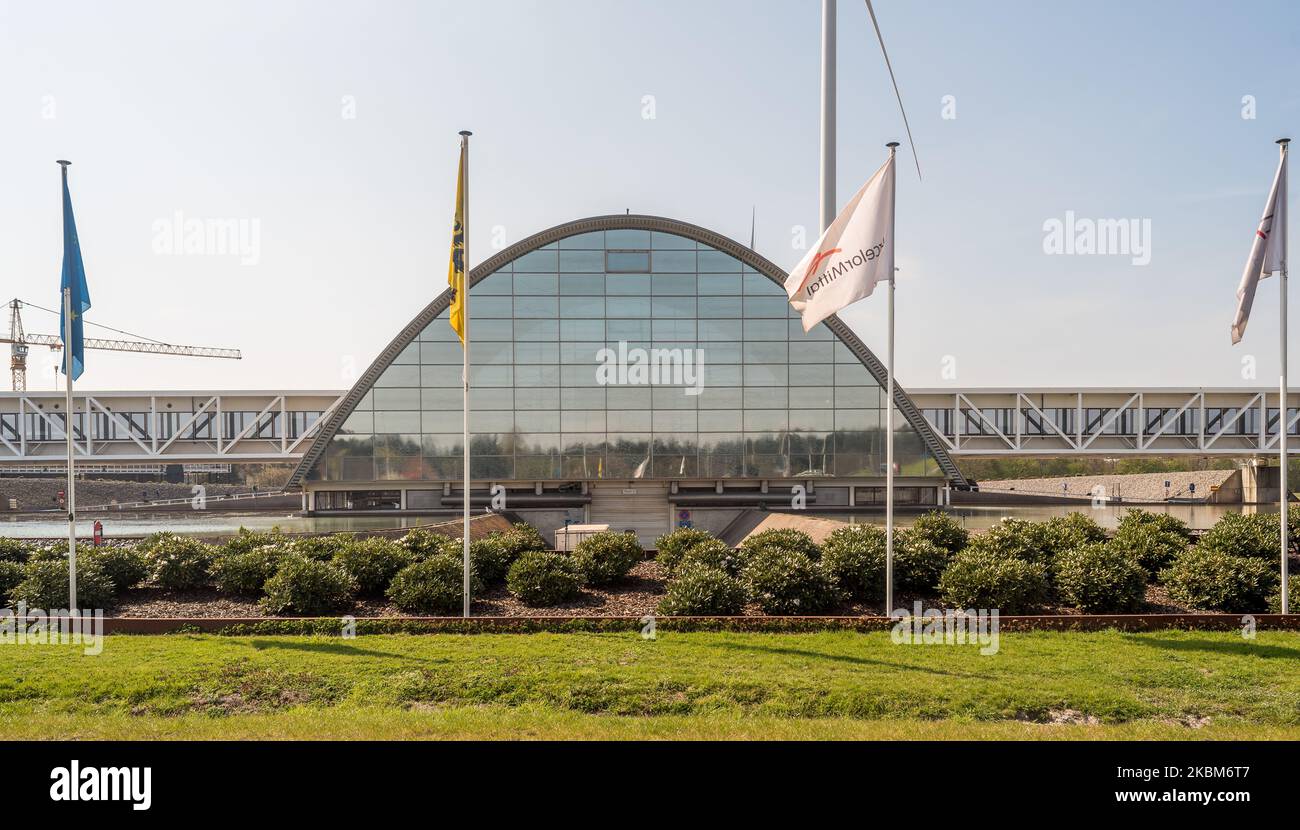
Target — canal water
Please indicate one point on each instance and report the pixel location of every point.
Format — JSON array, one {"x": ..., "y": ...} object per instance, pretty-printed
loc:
[{"x": 213, "y": 523}]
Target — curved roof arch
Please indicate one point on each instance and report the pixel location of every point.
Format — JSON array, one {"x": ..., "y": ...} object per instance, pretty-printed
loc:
[{"x": 620, "y": 221}]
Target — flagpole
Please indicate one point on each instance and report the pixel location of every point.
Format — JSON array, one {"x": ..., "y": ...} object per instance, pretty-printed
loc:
[
  {"x": 828, "y": 115},
  {"x": 1282, "y": 401},
  {"x": 67, "y": 426},
  {"x": 464, "y": 302},
  {"x": 889, "y": 420}
]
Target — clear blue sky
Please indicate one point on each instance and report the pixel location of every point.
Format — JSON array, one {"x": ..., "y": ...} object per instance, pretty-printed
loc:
[{"x": 235, "y": 111}]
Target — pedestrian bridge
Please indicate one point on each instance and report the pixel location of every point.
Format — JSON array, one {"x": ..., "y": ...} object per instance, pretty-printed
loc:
[
  {"x": 1116, "y": 421},
  {"x": 135, "y": 431}
]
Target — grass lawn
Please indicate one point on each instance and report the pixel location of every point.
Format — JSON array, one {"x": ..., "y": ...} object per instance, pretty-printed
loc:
[{"x": 682, "y": 685}]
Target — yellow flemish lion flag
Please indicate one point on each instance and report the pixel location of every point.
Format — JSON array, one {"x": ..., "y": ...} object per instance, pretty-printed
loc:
[
  {"x": 855, "y": 253},
  {"x": 456, "y": 270}
]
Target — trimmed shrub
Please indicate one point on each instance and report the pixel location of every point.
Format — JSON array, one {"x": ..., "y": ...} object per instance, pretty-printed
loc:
[
  {"x": 1162, "y": 522},
  {"x": 306, "y": 586},
  {"x": 125, "y": 566},
  {"x": 321, "y": 548},
  {"x": 45, "y": 586},
  {"x": 424, "y": 543},
  {"x": 48, "y": 552},
  {"x": 493, "y": 556},
  {"x": 14, "y": 550},
  {"x": 671, "y": 547},
  {"x": 1275, "y": 601},
  {"x": 544, "y": 578},
  {"x": 1238, "y": 534},
  {"x": 432, "y": 586},
  {"x": 11, "y": 573},
  {"x": 1014, "y": 539},
  {"x": 372, "y": 563},
  {"x": 177, "y": 562},
  {"x": 1100, "y": 579},
  {"x": 853, "y": 556},
  {"x": 524, "y": 537},
  {"x": 1062, "y": 533},
  {"x": 699, "y": 590},
  {"x": 787, "y": 539},
  {"x": 987, "y": 579},
  {"x": 606, "y": 557},
  {"x": 918, "y": 563},
  {"x": 245, "y": 540},
  {"x": 940, "y": 529},
  {"x": 711, "y": 554},
  {"x": 246, "y": 572},
  {"x": 785, "y": 581},
  {"x": 1210, "y": 579},
  {"x": 1153, "y": 546}
]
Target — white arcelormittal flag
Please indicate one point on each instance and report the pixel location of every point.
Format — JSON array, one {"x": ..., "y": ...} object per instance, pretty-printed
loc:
[
  {"x": 855, "y": 253},
  {"x": 1267, "y": 254}
]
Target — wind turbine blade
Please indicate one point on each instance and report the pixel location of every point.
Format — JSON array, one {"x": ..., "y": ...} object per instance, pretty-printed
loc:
[{"x": 871, "y": 11}]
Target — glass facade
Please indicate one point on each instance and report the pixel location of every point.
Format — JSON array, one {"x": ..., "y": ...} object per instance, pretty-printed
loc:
[{"x": 624, "y": 354}]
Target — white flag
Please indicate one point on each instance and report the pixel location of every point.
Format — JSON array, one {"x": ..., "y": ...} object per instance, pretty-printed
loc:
[
  {"x": 1267, "y": 253},
  {"x": 855, "y": 253}
]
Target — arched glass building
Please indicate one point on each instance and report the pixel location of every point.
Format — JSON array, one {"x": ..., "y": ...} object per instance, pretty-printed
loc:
[{"x": 630, "y": 370}]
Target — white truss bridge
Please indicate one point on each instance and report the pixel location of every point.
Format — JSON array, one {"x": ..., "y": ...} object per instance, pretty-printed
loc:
[
  {"x": 171, "y": 427},
  {"x": 1109, "y": 421},
  {"x": 204, "y": 427}
]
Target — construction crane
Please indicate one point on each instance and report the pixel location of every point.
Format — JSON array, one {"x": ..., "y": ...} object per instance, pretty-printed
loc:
[{"x": 20, "y": 343}]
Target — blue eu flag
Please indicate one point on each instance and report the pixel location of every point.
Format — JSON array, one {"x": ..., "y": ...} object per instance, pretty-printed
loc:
[{"x": 74, "y": 278}]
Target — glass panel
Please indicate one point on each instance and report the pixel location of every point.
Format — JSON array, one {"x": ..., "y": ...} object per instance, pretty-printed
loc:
[
  {"x": 627, "y": 238},
  {"x": 627, "y": 284},
  {"x": 582, "y": 306},
  {"x": 582, "y": 261},
  {"x": 540, "y": 331},
  {"x": 591, "y": 284},
  {"x": 728, "y": 284},
  {"x": 544, "y": 261},
  {"x": 397, "y": 399},
  {"x": 593, "y": 241},
  {"x": 397, "y": 421},
  {"x": 399, "y": 376},
  {"x": 669, "y": 241},
  {"x": 534, "y": 284},
  {"x": 674, "y": 262},
  {"x": 627, "y": 262},
  {"x": 711, "y": 261}
]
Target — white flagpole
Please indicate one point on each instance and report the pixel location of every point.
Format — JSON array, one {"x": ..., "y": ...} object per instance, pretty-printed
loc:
[
  {"x": 72, "y": 479},
  {"x": 464, "y": 304},
  {"x": 889, "y": 421},
  {"x": 828, "y": 115},
  {"x": 1282, "y": 401},
  {"x": 67, "y": 426}
]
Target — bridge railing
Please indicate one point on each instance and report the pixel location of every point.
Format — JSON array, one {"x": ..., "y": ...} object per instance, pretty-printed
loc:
[{"x": 1107, "y": 421}]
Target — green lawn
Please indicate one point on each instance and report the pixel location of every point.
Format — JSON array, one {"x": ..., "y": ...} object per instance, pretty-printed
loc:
[{"x": 696, "y": 685}]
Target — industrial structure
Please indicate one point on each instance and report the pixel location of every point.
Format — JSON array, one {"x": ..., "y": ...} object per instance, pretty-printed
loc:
[{"x": 21, "y": 342}]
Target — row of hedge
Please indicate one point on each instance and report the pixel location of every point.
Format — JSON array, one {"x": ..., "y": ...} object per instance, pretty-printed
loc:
[
  {"x": 421, "y": 573},
  {"x": 1016, "y": 566}
]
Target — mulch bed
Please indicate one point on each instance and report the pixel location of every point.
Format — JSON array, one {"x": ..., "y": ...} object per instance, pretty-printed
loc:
[{"x": 636, "y": 595}]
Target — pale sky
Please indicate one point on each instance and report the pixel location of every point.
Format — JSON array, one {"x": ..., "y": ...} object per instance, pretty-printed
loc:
[{"x": 328, "y": 129}]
